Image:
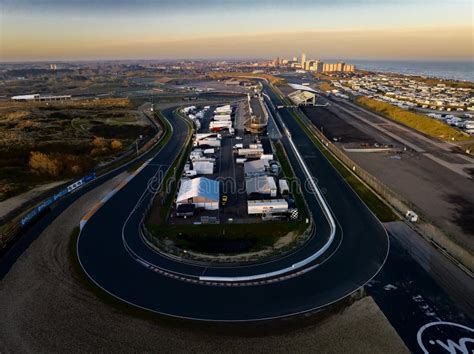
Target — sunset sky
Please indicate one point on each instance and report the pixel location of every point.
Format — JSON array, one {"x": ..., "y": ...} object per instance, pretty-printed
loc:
[{"x": 160, "y": 29}]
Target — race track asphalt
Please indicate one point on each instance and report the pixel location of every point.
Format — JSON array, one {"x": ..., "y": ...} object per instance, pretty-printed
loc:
[{"x": 110, "y": 243}]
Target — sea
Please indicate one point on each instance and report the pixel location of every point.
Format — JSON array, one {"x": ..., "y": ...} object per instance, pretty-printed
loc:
[{"x": 456, "y": 70}]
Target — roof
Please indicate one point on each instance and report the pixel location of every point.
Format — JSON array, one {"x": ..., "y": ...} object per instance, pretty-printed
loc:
[
  {"x": 25, "y": 97},
  {"x": 302, "y": 88},
  {"x": 260, "y": 184},
  {"x": 256, "y": 105},
  {"x": 299, "y": 97},
  {"x": 256, "y": 166},
  {"x": 198, "y": 187}
]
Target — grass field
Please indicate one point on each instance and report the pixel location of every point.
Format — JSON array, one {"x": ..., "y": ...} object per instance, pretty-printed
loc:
[
  {"x": 419, "y": 122},
  {"x": 288, "y": 172},
  {"x": 226, "y": 238}
]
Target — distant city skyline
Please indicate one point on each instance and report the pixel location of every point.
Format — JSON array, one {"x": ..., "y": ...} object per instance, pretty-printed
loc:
[{"x": 357, "y": 29}]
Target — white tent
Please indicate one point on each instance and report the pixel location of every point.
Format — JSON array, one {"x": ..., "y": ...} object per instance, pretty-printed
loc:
[{"x": 201, "y": 191}]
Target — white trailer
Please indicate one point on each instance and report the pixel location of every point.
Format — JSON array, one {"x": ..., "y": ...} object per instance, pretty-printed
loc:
[
  {"x": 223, "y": 108},
  {"x": 259, "y": 207},
  {"x": 266, "y": 157},
  {"x": 250, "y": 152},
  {"x": 255, "y": 146},
  {"x": 203, "y": 167},
  {"x": 223, "y": 117},
  {"x": 200, "y": 136}
]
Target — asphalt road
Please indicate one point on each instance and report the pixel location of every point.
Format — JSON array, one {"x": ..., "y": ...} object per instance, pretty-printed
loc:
[{"x": 359, "y": 251}]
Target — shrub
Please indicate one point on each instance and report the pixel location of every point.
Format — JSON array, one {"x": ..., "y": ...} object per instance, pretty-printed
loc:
[
  {"x": 116, "y": 145},
  {"x": 44, "y": 164},
  {"x": 99, "y": 142}
]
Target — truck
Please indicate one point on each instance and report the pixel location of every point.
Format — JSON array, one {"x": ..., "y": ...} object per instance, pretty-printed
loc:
[{"x": 260, "y": 207}]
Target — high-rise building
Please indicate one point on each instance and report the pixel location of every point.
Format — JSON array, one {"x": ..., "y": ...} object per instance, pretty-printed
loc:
[
  {"x": 309, "y": 65},
  {"x": 318, "y": 66},
  {"x": 303, "y": 60},
  {"x": 349, "y": 68}
]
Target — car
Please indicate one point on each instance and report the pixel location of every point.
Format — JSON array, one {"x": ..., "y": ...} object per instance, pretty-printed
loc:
[
  {"x": 238, "y": 138},
  {"x": 224, "y": 200}
]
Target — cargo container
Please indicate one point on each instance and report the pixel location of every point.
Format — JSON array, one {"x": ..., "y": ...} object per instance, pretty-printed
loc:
[
  {"x": 224, "y": 124},
  {"x": 259, "y": 207}
]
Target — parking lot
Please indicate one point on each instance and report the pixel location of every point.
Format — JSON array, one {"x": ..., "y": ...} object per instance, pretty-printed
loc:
[{"x": 228, "y": 172}]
